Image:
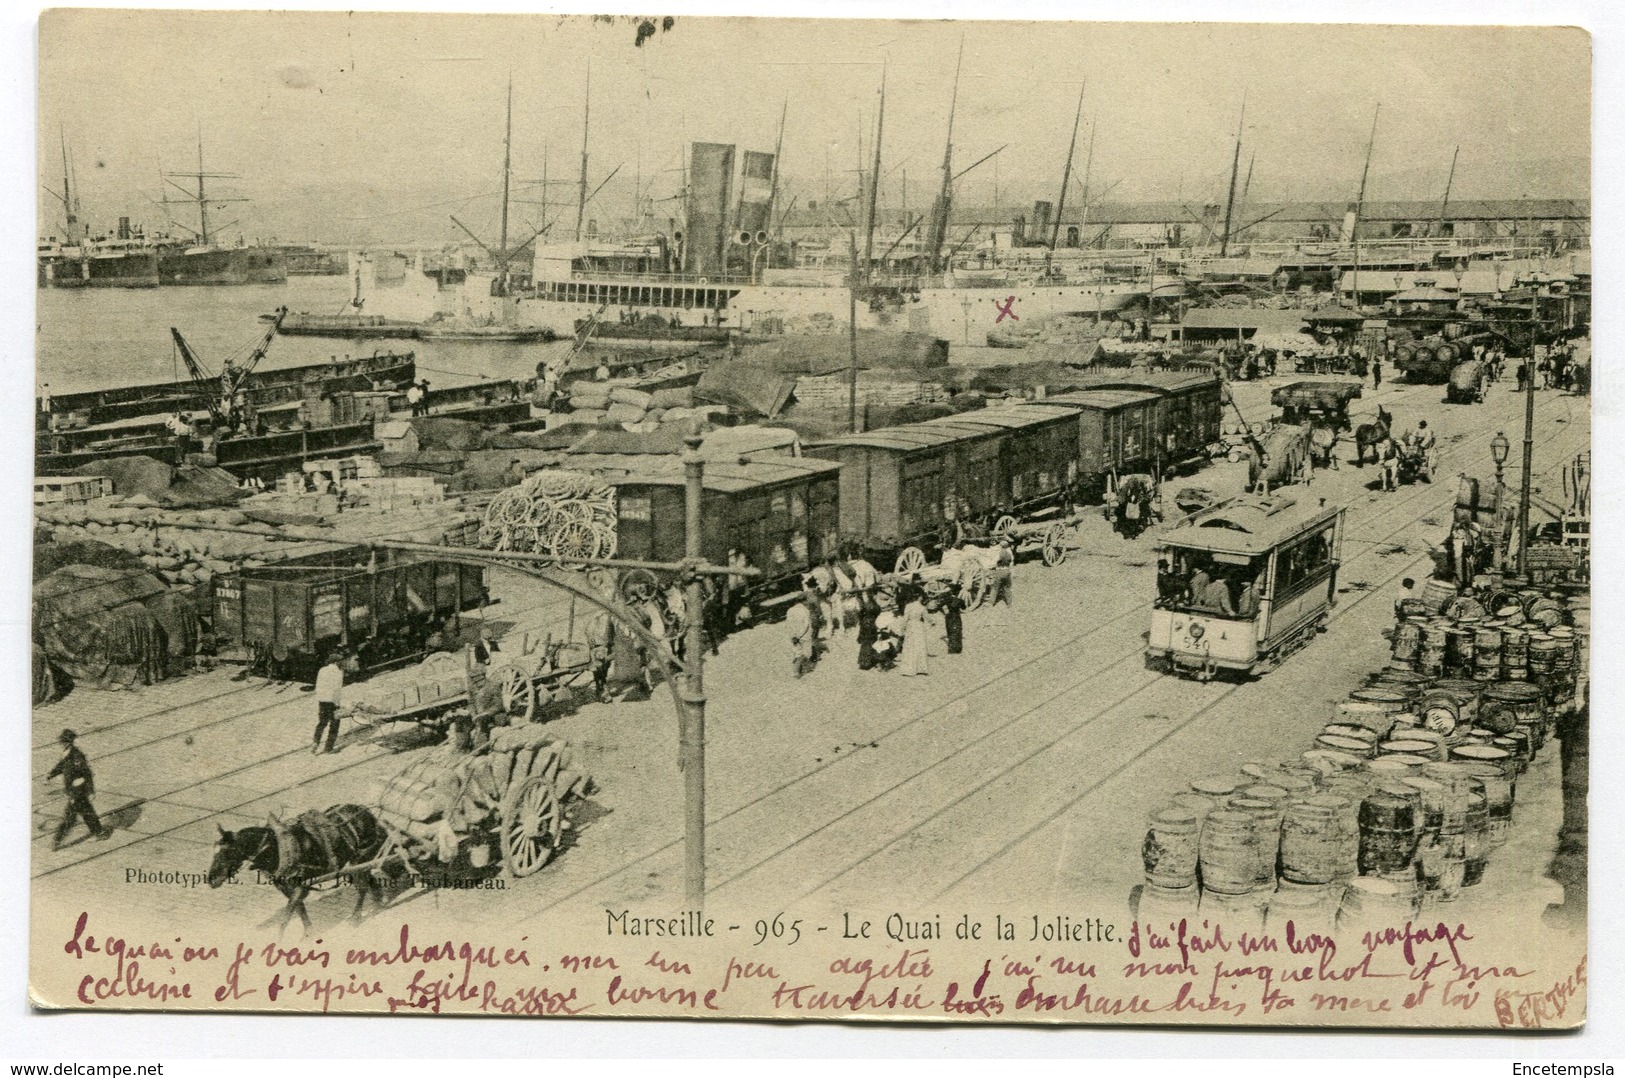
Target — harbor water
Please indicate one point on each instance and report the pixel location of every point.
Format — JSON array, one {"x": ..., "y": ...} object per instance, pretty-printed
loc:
[{"x": 96, "y": 338}]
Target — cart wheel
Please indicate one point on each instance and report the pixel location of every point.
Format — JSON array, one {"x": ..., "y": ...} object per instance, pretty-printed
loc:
[
  {"x": 575, "y": 539},
  {"x": 531, "y": 823},
  {"x": 1055, "y": 545},
  {"x": 1003, "y": 526},
  {"x": 638, "y": 586},
  {"x": 978, "y": 588},
  {"x": 910, "y": 561},
  {"x": 518, "y": 694}
]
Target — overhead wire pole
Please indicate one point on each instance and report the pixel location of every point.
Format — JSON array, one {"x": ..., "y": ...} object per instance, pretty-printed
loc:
[
  {"x": 1066, "y": 178},
  {"x": 691, "y": 724},
  {"x": 852, "y": 339}
]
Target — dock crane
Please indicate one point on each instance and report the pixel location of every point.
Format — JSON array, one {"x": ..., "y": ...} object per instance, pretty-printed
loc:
[{"x": 219, "y": 391}]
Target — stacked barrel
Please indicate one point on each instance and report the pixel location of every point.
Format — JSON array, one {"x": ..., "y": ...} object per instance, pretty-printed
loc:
[{"x": 1404, "y": 794}]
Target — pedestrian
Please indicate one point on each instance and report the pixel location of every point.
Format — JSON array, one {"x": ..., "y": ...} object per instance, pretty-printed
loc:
[
  {"x": 80, "y": 785},
  {"x": 915, "y": 632},
  {"x": 868, "y": 632},
  {"x": 1523, "y": 375},
  {"x": 824, "y": 583},
  {"x": 1004, "y": 584},
  {"x": 329, "y": 691},
  {"x": 45, "y": 398},
  {"x": 1389, "y": 457},
  {"x": 801, "y": 622},
  {"x": 414, "y": 398},
  {"x": 953, "y": 623},
  {"x": 733, "y": 589},
  {"x": 1376, "y": 372},
  {"x": 600, "y": 639}
]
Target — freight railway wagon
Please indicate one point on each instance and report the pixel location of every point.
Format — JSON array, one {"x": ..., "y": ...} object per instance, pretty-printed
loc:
[
  {"x": 1183, "y": 422},
  {"x": 778, "y": 512},
  {"x": 285, "y": 619},
  {"x": 905, "y": 490},
  {"x": 1243, "y": 584}
]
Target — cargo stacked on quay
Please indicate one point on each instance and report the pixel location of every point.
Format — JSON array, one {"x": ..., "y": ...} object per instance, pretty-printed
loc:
[{"x": 1404, "y": 796}]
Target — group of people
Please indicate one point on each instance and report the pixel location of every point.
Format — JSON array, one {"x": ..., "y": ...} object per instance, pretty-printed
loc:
[
  {"x": 1557, "y": 369},
  {"x": 1208, "y": 590},
  {"x": 900, "y": 625},
  {"x": 1418, "y": 444},
  {"x": 417, "y": 395}
]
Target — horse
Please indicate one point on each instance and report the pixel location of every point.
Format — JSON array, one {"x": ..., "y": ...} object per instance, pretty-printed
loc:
[
  {"x": 316, "y": 843},
  {"x": 1371, "y": 436}
]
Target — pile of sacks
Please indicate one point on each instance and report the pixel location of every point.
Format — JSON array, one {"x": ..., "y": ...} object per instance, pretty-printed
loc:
[
  {"x": 170, "y": 543},
  {"x": 606, "y": 402},
  {"x": 442, "y": 796}
]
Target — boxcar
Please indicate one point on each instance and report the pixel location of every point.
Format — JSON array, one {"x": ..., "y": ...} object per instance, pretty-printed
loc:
[
  {"x": 1188, "y": 416},
  {"x": 1032, "y": 465},
  {"x": 286, "y": 618},
  {"x": 779, "y": 512},
  {"x": 1244, "y": 583},
  {"x": 1116, "y": 434}
]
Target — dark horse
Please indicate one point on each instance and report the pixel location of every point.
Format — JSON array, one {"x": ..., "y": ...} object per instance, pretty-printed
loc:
[
  {"x": 294, "y": 854},
  {"x": 1371, "y": 436}
]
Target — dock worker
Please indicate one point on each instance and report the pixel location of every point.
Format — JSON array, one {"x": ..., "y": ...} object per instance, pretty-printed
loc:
[
  {"x": 45, "y": 398},
  {"x": 329, "y": 690},
  {"x": 79, "y": 784},
  {"x": 516, "y": 472},
  {"x": 801, "y": 622},
  {"x": 1004, "y": 581}
]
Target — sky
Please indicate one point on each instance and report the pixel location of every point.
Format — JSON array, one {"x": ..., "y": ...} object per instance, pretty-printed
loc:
[{"x": 366, "y": 126}]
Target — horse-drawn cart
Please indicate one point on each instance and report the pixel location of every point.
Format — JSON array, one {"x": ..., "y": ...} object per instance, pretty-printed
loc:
[{"x": 451, "y": 685}]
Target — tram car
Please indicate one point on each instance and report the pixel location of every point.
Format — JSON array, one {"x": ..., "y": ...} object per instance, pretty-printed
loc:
[
  {"x": 285, "y": 619},
  {"x": 1243, "y": 584},
  {"x": 905, "y": 490},
  {"x": 779, "y": 513}
]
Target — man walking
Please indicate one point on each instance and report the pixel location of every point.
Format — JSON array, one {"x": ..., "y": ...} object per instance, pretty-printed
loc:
[
  {"x": 1376, "y": 373},
  {"x": 329, "y": 688},
  {"x": 80, "y": 785}
]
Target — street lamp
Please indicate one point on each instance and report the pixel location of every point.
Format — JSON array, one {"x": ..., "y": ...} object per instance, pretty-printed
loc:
[{"x": 1499, "y": 448}]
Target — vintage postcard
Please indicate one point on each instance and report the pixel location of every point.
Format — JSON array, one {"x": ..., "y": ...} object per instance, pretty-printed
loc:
[{"x": 809, "y": 519}]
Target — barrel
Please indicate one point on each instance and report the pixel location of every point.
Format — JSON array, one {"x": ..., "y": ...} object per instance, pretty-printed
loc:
[
  {"x": 1389, "y": 700},
  {"x": 1414, "y": 746},
  {"x": 1518, "y": 747},
  {"x": 1441, "y": 711},
  {"x": 1328, "y": 762},
  {"x": 1487, "y": 653},
  {"x": 1467, "y": 492},
  {"x": 1390, "y": 768},
  {"x": 1238, "y": 912},
  {"x": 1546, "y": 612},
  {"x": 1432, "y": 794},
  {"x": 1215, "y": 786},
  {"x": 1435, "y": 593},
  {"x": 1355, "y": 730},
  {"x": 1370, "y": 902},
  {"x": 1163, "y": 908},
  {"x": 1477, "y": 846},
  {"x": 1467, "y": 694},
  {"x": 1388, "y": 832},
  {"x": 1508, "y": 613},
  {"x": 1499, "y": 795},
  {"x": 1514, "y": 653},
  {"x": 1430, "y": 660},
  {"x": 1478, "y": 753},
  {"x": 1266, "y": 823},
  {"x": 1405, "y": 353},
  {"x": 1392, "y": 677},
  {"x": 1458, "y": 650},
  {"x": 1310, "y": 908},
  {"x": 1170, "y": 849},
  {"x": 1261, "y": 770},
  {"x": 1297, "y": 783},
  {"x": 1363, "y": 715},
  {"x": 1351, "y": 746},
  {"x": 1542, "y": 654},
  {"x": 1443, "y": 858},
  {"x": 1510, "y": 704},
  {"x": 1227, "y": 852},
  {"x": 1267, "y": 792},
  {"x": 1197, "y": 803},
  {"x": 1407, "y": 641}
]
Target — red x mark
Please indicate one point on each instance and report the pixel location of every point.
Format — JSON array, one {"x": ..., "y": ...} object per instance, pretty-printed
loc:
[{"x": 1004, "y": 309}]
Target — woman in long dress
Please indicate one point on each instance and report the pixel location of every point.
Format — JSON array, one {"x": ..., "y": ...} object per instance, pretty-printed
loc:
[
  {"x": 915, "y": 633},
  {"x": 953, "y": 624}
]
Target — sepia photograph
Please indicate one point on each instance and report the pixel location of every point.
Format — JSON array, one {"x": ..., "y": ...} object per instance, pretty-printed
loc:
[{"x": 873, "y": 520}]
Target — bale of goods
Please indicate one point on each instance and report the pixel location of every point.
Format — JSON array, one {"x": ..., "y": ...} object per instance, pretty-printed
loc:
[
  {"x": 624, "y": 413},
  {"x": 675, "y": 397},
  {"x": 94, "y": 624},
  {"x": 588, "y": 416},
  {"x": 627, "y": 395}
]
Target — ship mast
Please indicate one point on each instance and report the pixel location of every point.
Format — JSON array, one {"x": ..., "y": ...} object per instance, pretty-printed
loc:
[
  {"x": 939, "y": 212},
  {"x": 874, "y": 184},
  {"x": 1088, "y": 166},
  {"x": 507, "y": 165},
  {"x": 1235, "y": 167},
  {"x": 201, "y": 198},
  {"x": 586, "y": 122},
  {"x": 1359, "y": 203},
  {"x": 1450, "y": 180},
  {"x": 773, "y": 189},
  {"x": 1066, "y": 177},
  {"x": 69, "y": 236}
]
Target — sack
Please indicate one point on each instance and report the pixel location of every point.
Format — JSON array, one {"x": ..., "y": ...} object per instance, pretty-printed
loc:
[{"x": 1133, "y": 511}]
